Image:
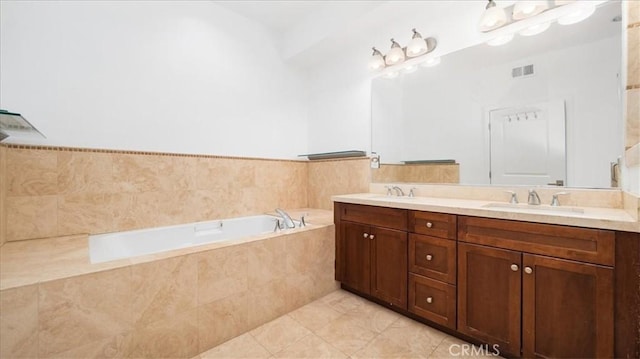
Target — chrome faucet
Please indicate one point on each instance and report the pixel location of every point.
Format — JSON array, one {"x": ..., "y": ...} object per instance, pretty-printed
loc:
[
  {"x": 514, "y": 197},
  {"x": 554, "y": 199},
  {"x": 288, "y": 222},
  {"x": 399, "y": 191},
  {"x": 534, "y": 199}
]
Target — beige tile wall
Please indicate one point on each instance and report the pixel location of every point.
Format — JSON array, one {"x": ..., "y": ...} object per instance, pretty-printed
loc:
[
  {"x": 55, "y": 191},
  {"x": 176, "y": 307},
  {"x": 328, "y": 178},
  {"x": 419, "y": 173},
  {"x": 632, "y": 141},
  {"x": 3, "y": 212}
]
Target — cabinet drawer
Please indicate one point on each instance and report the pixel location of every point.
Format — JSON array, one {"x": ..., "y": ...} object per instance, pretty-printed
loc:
[
  {"x": 432, "y": 300},
  {"x": 433, "y": 224},
  {"x": 376, "y": 216},
  {"x": 581, "y": 244},
  {"x": 433, "y": 257}
]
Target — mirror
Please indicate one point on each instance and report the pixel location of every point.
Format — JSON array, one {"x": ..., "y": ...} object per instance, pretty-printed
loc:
[{"x": 540, "y": 110}]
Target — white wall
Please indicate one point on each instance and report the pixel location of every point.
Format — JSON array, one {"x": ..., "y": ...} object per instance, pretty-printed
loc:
[{"x": 187, "y": 76}]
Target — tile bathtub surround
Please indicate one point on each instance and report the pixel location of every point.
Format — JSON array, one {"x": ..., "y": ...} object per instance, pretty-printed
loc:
[
  {"x": 173, "y": 307},
  {"x": 340, "y": 325},
  {"x": 61, "y": 191}
]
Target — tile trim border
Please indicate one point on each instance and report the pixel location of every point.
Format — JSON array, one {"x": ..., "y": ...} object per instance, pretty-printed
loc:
[{"x": 170, "y": 154}]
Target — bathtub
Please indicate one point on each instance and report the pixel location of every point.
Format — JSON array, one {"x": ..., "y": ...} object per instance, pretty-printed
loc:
[{"x": 112, "y": 246}]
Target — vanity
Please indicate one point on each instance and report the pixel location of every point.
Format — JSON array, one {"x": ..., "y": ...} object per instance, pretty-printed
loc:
[{"x": 497, "y": 276}]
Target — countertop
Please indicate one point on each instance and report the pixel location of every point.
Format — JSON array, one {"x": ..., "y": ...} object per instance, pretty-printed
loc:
[{"x": 593, "y": 217}]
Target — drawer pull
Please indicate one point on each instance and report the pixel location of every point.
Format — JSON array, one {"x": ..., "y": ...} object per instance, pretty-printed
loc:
[
  {"x": 429, "y": 224},
  {"x": 429, "y": 257},
  {"x": 429, "y": 300},
  {"x": 366, "y": 235},
  {"x": 514, "y": 267},
  {"x": 528, "y": 270},
  {"x": 371, "y": 236}
]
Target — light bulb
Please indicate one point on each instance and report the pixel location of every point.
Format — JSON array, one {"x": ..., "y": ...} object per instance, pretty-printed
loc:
[
  {"x": 395, "y": 55},
  {"x": 417, "y": 46},
  {"x": 431, "y": 62},
  {"x": 377, "y": 60},
  {"x": 500, "y": 40},
  {"x": 535, "y": 29},
  {"x": 527, "y": 8},
  {"x": 580, "y": 13},
  {"x": 492, "y": 18}
]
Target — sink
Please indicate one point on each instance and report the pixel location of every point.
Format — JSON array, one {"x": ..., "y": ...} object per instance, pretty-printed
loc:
[
  {"x": 533, "y": 208},
  {"x": 394, "y": 198}
]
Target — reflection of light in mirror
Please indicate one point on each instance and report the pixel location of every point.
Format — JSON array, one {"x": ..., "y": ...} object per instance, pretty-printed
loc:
[
  {"x": 409, "y": 69},
  {"x": 500, "y": 40},
  {"x": 431, "y": 62},
  {"x": 581, "y": 13},
  {"x": 535, "y": 29},
  {"x": 395, "y": 55},
  {"x": 390, "y": 75}
]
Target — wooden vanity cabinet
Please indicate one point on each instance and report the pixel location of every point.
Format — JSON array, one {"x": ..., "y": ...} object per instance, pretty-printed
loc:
[
  {"x": 370, "y": 258},
  {"x": 432, "y": 267},
  {"x": 560, "y": 307}
]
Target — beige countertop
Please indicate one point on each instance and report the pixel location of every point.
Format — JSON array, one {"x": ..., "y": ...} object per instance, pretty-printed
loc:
[
  {"x": 593, "y": 217},
  {"x": 41, "y": 260}
]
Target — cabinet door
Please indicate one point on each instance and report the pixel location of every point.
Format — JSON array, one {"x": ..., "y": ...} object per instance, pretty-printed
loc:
[
  {"x": 489, "y": 284},
  {"x": 355, "y": 259},
  {"x": 567, "y": 309},
  {"x": 389, "y": 266}
]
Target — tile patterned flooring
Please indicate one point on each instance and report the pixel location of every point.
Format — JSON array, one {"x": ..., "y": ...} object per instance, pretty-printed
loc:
[{"x": 340, "y": 325}]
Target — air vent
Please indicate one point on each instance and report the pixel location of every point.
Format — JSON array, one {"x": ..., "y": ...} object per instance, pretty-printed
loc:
[{"x": 522, "y": 71}]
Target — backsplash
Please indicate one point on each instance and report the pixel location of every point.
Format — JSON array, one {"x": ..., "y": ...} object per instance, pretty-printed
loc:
[{"x": 420, "y": 173}]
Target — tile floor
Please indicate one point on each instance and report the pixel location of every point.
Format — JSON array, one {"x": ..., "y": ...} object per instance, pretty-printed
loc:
[{"x": 340, "y": 325}]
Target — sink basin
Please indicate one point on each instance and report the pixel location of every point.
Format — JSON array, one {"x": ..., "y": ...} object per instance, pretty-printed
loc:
[
  {"x": 532, "y": 208},
  {"x": 394, "y": 198}
]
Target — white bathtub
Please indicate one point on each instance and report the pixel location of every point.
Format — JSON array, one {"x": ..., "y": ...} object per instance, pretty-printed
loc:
[{"x": 111, "y": 246}]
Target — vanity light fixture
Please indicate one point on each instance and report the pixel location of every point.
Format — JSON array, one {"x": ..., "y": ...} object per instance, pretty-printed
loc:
[
  {"x": 527, "y": 8},
  {"x": 377, "y": 60},
  {"x": 492, "y": 18},
  {"x": 532, "y": 17},
  {"x": 397, "y": 55}
]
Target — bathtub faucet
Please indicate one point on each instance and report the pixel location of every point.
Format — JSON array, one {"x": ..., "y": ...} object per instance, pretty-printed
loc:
[{"x": 288, "y": 222}]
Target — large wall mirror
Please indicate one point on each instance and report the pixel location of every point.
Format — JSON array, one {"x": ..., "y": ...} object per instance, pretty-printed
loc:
[{"x": 540, "y": 110}]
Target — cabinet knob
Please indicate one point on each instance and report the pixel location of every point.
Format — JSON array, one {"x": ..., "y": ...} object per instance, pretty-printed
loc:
[
  {"x": 429, "y": 257},
  {"x": 366, "y": 235},
  {"x": 429, "y": 300},
  {"x": 528, "y": 270},
  {"x": 429, "y": 224},
  {"x": 514, "y": 267},
  {"x": 371, "y": 236}
]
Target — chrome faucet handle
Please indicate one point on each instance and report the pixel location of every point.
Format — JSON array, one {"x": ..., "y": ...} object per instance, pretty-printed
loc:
[
  {"x": 302, "y": 221},
  {"x": 277, "y": 227},
  {"x": 411, "y": 193},
  {"x": 514, "y": 197},
  {"x": 554, "y": 198},
  {"x": 389, "y": 190}
]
